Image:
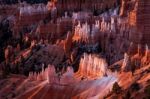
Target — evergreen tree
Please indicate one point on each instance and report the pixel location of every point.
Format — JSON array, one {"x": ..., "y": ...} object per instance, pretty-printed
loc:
[{"x": 116, "y": 88}]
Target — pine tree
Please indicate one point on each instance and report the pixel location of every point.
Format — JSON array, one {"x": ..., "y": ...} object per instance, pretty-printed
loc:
[{"x": 116, "y": 88}]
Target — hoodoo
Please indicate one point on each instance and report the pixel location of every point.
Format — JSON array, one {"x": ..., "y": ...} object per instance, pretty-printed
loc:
[{"x": 91, "y": 66}]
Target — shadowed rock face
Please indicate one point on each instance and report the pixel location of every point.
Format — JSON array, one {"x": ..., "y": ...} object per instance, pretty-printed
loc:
[{"x": 51, "y": 54}]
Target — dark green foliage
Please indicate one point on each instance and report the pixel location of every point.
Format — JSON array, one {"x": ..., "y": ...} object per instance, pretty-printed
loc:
[
  {"x": 135, "y": 86},
  {"x": 133, "y": 67},
  {"x": 147, "y": 92},
  {"x": 116, "y": 88}
]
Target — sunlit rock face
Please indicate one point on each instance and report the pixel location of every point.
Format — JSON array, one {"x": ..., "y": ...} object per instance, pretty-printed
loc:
[
  {"x": 82, "y": 32},
  {"x": 109, "y": 24},
  {"x": 104, "y": 25},
  {"x": 86, "y": 32},
  {"x": 93, "y": 30},
  {"x": 92, "y": 66}
]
